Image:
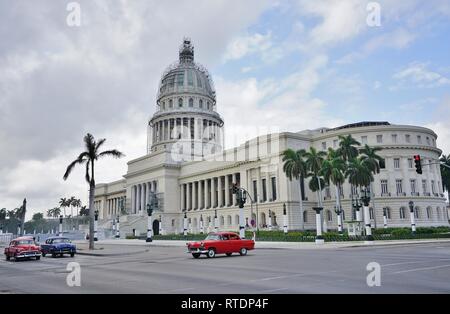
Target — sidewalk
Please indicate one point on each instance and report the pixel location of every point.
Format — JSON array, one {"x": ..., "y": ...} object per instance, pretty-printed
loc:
[{"x": 127, "y": 247}]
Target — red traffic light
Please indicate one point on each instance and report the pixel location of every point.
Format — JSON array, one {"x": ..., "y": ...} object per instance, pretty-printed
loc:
[{"x": 418, "y": 163}]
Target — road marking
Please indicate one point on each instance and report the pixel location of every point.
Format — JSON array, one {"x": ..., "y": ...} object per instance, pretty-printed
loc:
[
  {"x": 181, "y": 289},
  {"x": 420, "y": 269}
]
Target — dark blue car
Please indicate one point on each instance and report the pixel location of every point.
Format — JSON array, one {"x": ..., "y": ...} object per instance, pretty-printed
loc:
[{"x": 58, "y": 246}]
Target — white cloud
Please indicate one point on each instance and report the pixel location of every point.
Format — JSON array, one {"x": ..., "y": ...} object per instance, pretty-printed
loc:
[
  {"x": 417, "y": 74},
  {"x": 246, "y": 45}
]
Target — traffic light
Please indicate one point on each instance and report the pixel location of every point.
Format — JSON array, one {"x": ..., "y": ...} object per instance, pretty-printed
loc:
[{"x": 418, "y": 163}]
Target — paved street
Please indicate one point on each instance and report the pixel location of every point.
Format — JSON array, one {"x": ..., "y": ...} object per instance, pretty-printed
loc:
[{"x": 420, "y": 268}]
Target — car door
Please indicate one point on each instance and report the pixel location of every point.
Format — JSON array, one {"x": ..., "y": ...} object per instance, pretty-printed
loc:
[{"x": 235, "y": 242}]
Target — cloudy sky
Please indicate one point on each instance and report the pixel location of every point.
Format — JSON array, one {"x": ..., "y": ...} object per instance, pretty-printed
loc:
[{"x": 286, "y": 65}]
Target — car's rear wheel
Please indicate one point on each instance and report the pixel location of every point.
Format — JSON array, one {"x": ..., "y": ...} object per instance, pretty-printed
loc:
[
  {"x": 15, "y": 258},
  {"x": 43, "y": 254},
  {"x": 38, "y": 258},
  {"x": 53, "y": 254},
  {"x": 229, "y": 254},
  {"x": 243, "y": 251},
  {"x": 72, "y": 254},
  {"x": 211, "y": 253},
  {"x": 196, "y": 255},
  {"x": 8, "y": 257}
]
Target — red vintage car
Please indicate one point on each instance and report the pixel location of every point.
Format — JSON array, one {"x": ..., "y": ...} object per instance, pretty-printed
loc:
[
  {"x": 220, "y": 243},
  {"x": 23, "y": 247}
]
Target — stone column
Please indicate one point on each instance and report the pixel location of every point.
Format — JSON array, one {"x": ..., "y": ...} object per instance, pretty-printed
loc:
[
  {"x": 188, "y": 199},
  {"x": 199, "y": 187},
  {"x": 182, "y": 197},
  {"x": 213, "y": 193},
  {"x": 194, "y": 196},
  {"x": 219, "y": 191},
  {"x": 205, "y": 193},
  {"x": 227, "y": 191},
  {"x": 268, "y": 187}
]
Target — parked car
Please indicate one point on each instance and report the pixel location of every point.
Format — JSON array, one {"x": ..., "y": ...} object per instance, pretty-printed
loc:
[
  {"x": 220, "y": 243},
  {"x": 22, "y": 248},
  {"x": 58, "y": 246}
]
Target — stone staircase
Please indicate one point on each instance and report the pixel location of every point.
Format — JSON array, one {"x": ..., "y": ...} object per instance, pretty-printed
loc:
[{"x": 130, "y": 223}]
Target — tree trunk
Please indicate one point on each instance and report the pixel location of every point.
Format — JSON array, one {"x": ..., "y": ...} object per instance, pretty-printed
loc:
[
  {"x": 91, "y": 208},
  {"x": 300, "y": 196}
]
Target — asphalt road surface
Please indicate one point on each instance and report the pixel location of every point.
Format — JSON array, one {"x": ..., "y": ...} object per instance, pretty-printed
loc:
[{"x": 423, "y": 268}]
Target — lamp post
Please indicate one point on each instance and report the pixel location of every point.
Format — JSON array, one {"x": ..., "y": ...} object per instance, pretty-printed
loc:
[
  {"x": 319, "y": 236},
  {"x": 185, "y": 224},
  {"x": 149, "y": 222},
  {"x": 365, "y": 198},
  {"x": 413, "y": 218},
  {"x": 270, "y": 220},
  {"x": 60, "y": 225},
  {"x": 338, "y": 211},
  {"x": 216, "y": 225},
  {"x": 160, "y": 231},
  {"x": 201, "y": 225},
  {"x": 356, "y": 206},
  {"x": 95, "y": 225},
  {"x": 285, "y": 220},
  {"x": 118, "y": 227},
  {"x": 114, "y": 226},
  {"x": 385, "y": 217}
]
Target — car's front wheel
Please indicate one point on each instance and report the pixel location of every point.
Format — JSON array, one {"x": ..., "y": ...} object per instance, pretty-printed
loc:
[
  {"x": 8, "y": 257},
  {"x": 211, "y": 253},
  {"x": 38, "y": 258},
  {"x": 196, "y": 255},
  {"x": 53, "y": 254},
  {"x": 43, "y": 254},
  {"x": 243, "y": 251}
]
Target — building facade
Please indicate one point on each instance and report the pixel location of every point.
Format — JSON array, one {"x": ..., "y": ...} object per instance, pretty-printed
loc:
[{"x": 190, "y": 173}]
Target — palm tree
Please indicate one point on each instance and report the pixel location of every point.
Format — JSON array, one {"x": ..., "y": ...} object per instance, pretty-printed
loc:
[
  {"x": 88, "y": 158},
  {"x": 295, "y": 168},
  {"x": 64, "y": 202},
  {"x": 76, "y": 203},
  {"x": 333, "y": 169},
  {"x": 371, "y": 158},
  {"x": 347, "y": 147},
  {"x": 314, "y": 160},
  {"x": 359, "y": 175},
  {"x": 445, "y": 172}
]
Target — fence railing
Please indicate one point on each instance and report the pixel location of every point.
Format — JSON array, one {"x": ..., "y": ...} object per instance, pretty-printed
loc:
[{"x": 5, "y": 238}]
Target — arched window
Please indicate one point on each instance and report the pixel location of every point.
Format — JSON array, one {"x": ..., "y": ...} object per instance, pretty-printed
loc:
[
  {"x": 222, "y": 221},
  {"x": 388, "y": 213},
  {"x": 236, "y": 220},
  {"x": 180, "y": 102},
  {"x": 229, "y": 223},
  {"x": 305, "y": 216},
  {"x": 170, "y": 103},
  {"x": 329, "y": 215},
  {"x": 402, "y": 213},
  {"x": 191, "y": 102},
  {"x": 200, "y": 103},
  {"x": 429, "y": 213},
  {"x": 207, "y": 105}
]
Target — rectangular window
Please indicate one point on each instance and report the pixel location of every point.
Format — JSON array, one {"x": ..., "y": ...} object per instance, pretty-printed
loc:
[
  {"x": 384, "y": 187},
  {"x": 399, "y": 186},
  {"x": 410, "y": 163},
  {"x": 396, "y": 163},
  {"x": 419, "y": 139},
  {"x": 424, "y": 186},
  {"x": 402, "y": 213},
  {"x": 274, "y": 188},
  {"x": 408, "y": 138},
  {"x": 428, "y": 141},
  {"x": 433, "y": 187},
  {"x": 383, "y": 164},
  {"x": 394, "y": 138},
  {"x": 180, "y": 79},
  {"x": 264, "y": 190},
  {"x": 335, "y": 143},
  {"x": 324, "y": 145},
  {"x": 413, "y": 185},
  {"x": 255, "y": 190},
  {"x": 327, "y": 192},
  {"x": 379, "y": 139},
  {"x": 364, "y": 140}
]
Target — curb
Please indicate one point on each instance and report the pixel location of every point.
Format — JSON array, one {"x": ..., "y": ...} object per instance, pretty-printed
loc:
[{"x": 111, "y": 254}]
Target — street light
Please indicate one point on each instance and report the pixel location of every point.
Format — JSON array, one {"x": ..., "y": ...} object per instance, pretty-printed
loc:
[
  {"x": 153, "y": 203},
  {"x": 285, "y": 220},
  {"x": 411, "y": 214},
  {"x": 365, "y": 198},
  {"x": 95, "y": 225}
]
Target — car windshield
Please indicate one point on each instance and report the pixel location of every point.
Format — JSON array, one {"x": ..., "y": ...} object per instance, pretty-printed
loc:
[
  {"x": 213, "y": 237},
  {"x": 25, "y": 242},
  {"x": 61, "y": 241}
]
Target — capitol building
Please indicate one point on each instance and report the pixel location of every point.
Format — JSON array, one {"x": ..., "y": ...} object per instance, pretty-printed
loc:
[{"x": 188, "y": 171}]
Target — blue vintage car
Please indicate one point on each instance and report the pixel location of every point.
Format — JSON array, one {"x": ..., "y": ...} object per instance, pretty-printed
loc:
[{"x": 58, "y": 246}]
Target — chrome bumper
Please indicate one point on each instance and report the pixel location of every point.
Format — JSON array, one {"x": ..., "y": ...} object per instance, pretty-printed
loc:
[
  {"x": 28, "y": 254},
  {"x": 198, "y": 251}
]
